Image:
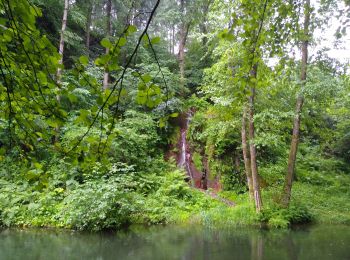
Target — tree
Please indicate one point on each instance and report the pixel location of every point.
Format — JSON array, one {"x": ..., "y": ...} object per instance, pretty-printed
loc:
[
  {"x": 298, "y": 109},
  {"x": 88, "y": 23},
  {"x": 246, "y": 155},
  {"x": 252, "y": 61},
  {"x": 252, "y": 145},
  {"x": 61, "y": 44},
  {"x": 184, "y": 28},
  {"x": 108, "y": 34}
]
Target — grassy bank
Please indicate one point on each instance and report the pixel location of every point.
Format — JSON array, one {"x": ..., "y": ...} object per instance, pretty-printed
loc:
[{"x": 121, "y": 200}]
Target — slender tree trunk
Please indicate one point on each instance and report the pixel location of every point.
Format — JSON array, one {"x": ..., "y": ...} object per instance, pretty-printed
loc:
[
  {"x": 61, "y": 46},
  {"x": 131, "y": 18},
  {"x": 182, "y": 46},
  {"x": 237, "y": 166},
  {"x": 184, "y": 27},
  {"x": 287, "y": 191},
  {"x": 204, "y": 181},
  {"x": 169, "y": 38},
  {"x": 246, "y": 156},
  {"x": 204, "y": 31},
  {"x": 237, "y": 161},
  {"x": 60, "y": 62},
  {"x": 88, "y": 25},
  {"x": 203, "y": 24},
  {"x": 108, "y": 34},
  {"x": 252, "y": 148},
  {"x": 173, "y": 45}
]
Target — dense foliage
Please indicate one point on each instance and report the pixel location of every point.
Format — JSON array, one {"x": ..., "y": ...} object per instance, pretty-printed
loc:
[{"x": 88, "y": 132}]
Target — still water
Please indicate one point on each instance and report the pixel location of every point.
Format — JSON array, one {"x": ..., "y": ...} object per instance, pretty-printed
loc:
[{"x": 173, "y": 242}]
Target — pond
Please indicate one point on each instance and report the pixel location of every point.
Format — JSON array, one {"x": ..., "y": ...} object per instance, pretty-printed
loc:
[{"x": 178, "y": 242}]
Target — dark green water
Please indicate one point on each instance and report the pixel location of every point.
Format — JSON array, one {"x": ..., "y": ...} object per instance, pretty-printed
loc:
[{"x": 319, "y": 242}]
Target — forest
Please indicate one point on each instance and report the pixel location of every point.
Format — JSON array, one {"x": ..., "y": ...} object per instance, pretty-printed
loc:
[{"x": 216, "y": 113}]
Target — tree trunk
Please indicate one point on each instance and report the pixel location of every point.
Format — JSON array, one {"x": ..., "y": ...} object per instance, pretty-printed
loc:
[
  {"x": 287, "y": 190},
  {"x": 237, "y": 161},
  {"x": 108, "y": 34},
  {"x": 182, "y": 44},
  {"x": 88, "y": 25},
  {"x": 246, "y": 156},
  {"x": 204, "y": 31},
  {"x": 173, "y": 44},
  {"x": 169, "y": 38},
  {"x": 252, "y": 148},
  {"x": 61, "y": 46},
  {"x": 60, "y": 62},
  {"x": 203, "y": 23},
  {"x": 204, "y": 180}
]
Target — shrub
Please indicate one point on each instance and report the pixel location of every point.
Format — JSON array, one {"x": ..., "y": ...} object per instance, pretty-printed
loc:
[
  {"x": 277, "y": 217},
  {"x": 99, "y": 204}
]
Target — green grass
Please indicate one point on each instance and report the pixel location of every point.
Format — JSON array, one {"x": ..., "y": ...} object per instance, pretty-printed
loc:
[
  {"x": 325, "y": 203},
  {"x": 329, "y": 205},
  {"x": 213, "y": 213}
]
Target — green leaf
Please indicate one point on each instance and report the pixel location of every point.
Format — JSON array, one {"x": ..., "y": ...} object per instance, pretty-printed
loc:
[
  {"x": 162, "y": 122},
  {"x": 155, "y": 40},
  {"x": 101, "y": 61},
  {"x": 122, "y": 41},
  {"x": 132, "y": 29},
  {"x": 174, "y": 115},
  {"x": 146, "y": 78},
  {"x": 106, "y": 43},
  {"x": 42, "y": 78},
  {"x": 141, "y": 98},
  {"x": 99, "y": 100},
  {"x": 84, "y": 60},
  {"x": 52, "y": 123},
  {"x": 113, "y": 65},
  {"x": 38, "y": 165},
  {"x": 72, "y": 98}
]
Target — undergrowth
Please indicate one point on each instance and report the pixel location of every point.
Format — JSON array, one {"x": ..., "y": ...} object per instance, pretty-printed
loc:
[{"x": 122, "y": 196}]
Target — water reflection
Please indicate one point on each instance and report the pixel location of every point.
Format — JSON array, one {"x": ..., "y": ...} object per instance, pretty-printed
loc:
[{"x": 327, "y": 242}]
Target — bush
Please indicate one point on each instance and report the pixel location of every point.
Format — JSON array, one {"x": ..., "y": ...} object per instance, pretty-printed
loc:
[
  {"x": 277, "y": 217},
  {"x": 22, "y": 205},
  {"x": 101, "y": 204}
]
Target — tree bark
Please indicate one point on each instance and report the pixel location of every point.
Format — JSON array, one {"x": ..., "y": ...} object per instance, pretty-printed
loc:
[
  {"x": 252, "y": 148},
  {"x": 246, "y": 156},
  {"x": 182, "y": 46},
  {"x": 184, "y": 27},
  {"x": 108, "y": 34},
  {"x": 203, "y": 23},
  {"x": 287, "y": 190},
  {"x": 61, "y": 45},
  {"x": 204, "y": 180},
  {"x": 173, "y": 39},
  {"x": 88, "y": 25},
  {"x": 169, "y": 38},
  {"x": 60, "y": 62}
]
